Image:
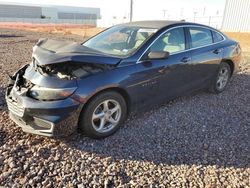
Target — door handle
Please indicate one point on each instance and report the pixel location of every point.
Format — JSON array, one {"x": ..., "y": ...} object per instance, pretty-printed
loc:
[
  {"x": 217, "y": 51},
  {"x": 186, "y": 59}
]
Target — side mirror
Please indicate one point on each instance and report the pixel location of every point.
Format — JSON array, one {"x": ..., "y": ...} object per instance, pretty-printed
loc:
[{"x": 158, "y": 55}]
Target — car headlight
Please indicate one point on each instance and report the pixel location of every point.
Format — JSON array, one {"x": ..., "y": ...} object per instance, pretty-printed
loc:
[{"x": 43, "y": 93}]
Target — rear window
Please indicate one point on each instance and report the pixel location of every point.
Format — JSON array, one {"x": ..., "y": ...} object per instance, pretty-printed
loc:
[
  {"x": 217, "y": 36},
  {"x": 200, "y": 36}
]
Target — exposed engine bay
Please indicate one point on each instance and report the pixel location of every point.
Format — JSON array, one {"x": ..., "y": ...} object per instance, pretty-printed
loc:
[
  {"x": 69, "y": 70},
  {"x": 61, "y": 71},
  {"x": 55, "y": 68}
]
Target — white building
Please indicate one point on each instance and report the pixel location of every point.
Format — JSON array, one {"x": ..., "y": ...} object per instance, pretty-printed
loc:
[{"x": 236, "y": 16}]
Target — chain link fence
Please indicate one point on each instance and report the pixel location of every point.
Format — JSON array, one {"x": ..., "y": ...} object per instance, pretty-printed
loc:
[{"x": 213, "y": 21}]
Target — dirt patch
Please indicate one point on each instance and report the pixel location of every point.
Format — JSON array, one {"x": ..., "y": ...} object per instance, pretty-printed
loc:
[
  {"x": 65, "y": 29},
  {"x": 242, "y": 38}
]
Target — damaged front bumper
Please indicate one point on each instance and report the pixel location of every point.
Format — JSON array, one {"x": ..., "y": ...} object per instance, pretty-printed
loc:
[{"x": 47, "y": 118}]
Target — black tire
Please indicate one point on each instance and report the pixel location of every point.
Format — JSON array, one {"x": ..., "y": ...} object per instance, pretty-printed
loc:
[
  {"x": 85, "y": 119},
  {"x": 215, "y": 88}
]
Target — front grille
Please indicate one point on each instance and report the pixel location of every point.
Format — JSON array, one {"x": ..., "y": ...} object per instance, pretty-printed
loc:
[{"x": 15, "y": 108}]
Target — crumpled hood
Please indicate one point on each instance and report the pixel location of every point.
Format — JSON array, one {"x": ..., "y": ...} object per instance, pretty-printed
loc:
[{"x": 48, "y": 51}]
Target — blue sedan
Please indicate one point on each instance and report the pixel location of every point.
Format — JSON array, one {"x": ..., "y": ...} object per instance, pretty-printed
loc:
[{"x": 93, "y": 86}]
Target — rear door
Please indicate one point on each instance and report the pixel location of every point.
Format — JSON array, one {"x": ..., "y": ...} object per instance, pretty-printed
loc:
[{"x": 206, "y": 55}]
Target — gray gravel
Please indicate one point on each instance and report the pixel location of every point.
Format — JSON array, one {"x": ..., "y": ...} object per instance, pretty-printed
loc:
[{"x": 196, "y": 141}]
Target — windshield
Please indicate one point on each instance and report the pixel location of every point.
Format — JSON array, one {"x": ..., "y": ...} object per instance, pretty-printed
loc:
[{"x": 120, "y": 40}]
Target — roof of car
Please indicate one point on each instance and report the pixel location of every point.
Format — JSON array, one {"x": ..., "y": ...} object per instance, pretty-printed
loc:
[{"x": 155, "y": 24}]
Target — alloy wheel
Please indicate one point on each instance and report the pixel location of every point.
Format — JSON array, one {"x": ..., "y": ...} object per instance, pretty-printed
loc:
[
  {"x": 106, "y": 116},
  {"x": 222, "y": 78}
]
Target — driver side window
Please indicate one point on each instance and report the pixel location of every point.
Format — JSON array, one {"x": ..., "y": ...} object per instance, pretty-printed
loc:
[{"x": 172, "y": 41}]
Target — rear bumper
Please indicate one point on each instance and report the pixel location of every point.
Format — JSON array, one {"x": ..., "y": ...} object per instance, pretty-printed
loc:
[
  {"x": 47, "y": 118},
  {"x": 237, "y": 63},
  {"x": 237, "y": 59}
]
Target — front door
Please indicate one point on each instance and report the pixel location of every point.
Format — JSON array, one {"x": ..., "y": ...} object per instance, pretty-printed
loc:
[{"x": 164, "y": 79}]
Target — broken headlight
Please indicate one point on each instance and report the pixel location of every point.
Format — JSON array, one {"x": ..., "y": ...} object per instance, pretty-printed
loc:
[{"x": 48, "y": 94}]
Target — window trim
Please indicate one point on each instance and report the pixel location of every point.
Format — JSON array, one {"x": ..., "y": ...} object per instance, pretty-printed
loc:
[{"x": 185, "y": 27}]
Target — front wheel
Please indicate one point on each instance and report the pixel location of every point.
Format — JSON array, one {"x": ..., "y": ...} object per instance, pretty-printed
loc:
[
  {"x": 222, "y": 78},
  {"x": 103, "y": 115}
]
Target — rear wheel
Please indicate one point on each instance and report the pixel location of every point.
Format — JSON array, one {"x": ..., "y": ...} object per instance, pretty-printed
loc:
[
  {"x": 222, "y": 78},
  {"x": 103, "y": 115}
]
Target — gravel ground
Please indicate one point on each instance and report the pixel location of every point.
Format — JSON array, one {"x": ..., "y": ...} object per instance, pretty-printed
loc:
[{"x": 196, "y": 141}]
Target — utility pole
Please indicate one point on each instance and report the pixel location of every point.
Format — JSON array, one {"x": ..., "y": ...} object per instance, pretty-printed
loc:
[
  {"x": 131, "y": 11},
  {"x": 195, "y": 15},
  {"x": 204, "y": 11},
  {"x": 164, "y": 13},
  {"x": 217, "y": 13},
  {"x": 209, "y": 20},
  {"x": 182, "y": 12}
]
